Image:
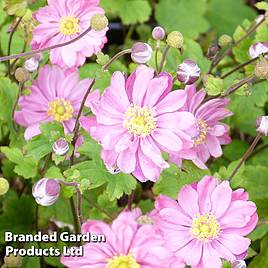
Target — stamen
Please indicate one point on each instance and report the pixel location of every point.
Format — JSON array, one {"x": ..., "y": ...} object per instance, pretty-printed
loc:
[
  {"x": 205, "y": 227},
  {"x": 60, "y": 109},
  {"x": 122, "y": 261},
  {"x": 203, "y": 130},
  {"x": 140, "y": 121},
  {"x": 69, "y": 25}
]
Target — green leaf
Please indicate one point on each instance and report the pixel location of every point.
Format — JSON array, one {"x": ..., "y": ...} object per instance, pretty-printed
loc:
[
  {"x": 26, "y": 166},
  {"x": 18, "y": 214},
  {"x": 224, "y": 16},
  {"x": 130, "y": 11},
  {"x": 213, "y": 85},
  {"x": 15, "y": 7},
  {"x": 259, "y": 232},
  {"x": 172, "y": 179},
  {"x": 261, "y": 260},
  {"x": 174, "y": 15},
  {"x": 235, "y": 150},
  {"x": 262, "y": 5}
]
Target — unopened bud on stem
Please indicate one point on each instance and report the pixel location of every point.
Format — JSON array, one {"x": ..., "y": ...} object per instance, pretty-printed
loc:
[
  {"x": 46, "y": 191},
  {"x": 60, "y": 147},
  {"x": 257, "y": 49},
  {"x": 158, "y": 33},
  {"x": 175, "y": 39},
  {"x": 4, "y": 186},
  {"x": 22, "y": 75},
  {"x": 239, "y": 264},
  {"x": 188, "y": 72},
  {"x": 99, "y": 22},
  {"x": 261, "y": 69},
  {"x": 262, "y": 125},
  {"x": 141, "y": 53}
]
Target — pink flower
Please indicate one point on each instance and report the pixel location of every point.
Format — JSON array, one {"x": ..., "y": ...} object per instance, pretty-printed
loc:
[
  {"x": 64, "y": 20},
  {"x": 55, "y": 95},
  {"x": 127, "y": 245},
  {"x": 208, "y": 223},
  {"x": 136, "y": 120},
  {"x": 209, "y": 133}
]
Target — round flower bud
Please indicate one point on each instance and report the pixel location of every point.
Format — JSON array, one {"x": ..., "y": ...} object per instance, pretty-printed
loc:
[
  {"x": 31, "y": 64},
  {"x": 22, "y": 75},
  {"x": 239, "y": 264},
  {"x": 225, "y": 40},
  {"x": 141, "y": 53},
  {"x": 4, "y": 186},
  {"x": 262, "y": 125},
  {"x": 212, "y": 51},
  {"x": 188, "y": 72},
  {"x": 261, "y": 69},
  {"x": 257, "y": 49},
  {"x": 60, "y": 147},
  {"x": 13, "y": 261},
  {"x": 158, "y": 33},
  {"x": 46, "y": 191},
  {"x": 175, "y": 39},
  {"x": 99, "y": 22}
]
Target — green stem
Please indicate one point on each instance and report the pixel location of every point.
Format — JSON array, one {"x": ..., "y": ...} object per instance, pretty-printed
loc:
[
  {"x": 114, "y": 58},
  {"x": 9, "y": 45},
  {"x": 246, "y": 155},
  {"x": 163, "y": 58}
]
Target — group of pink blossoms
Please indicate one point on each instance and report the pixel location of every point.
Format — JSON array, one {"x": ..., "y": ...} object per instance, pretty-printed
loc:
[{"x": 135, "y": 120}]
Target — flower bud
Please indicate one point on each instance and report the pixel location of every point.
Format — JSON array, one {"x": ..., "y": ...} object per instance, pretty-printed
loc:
[
  {"x": 31, "y": 64},
  {"x": 113, "y": 169},
  {"x": 158, "y": 33},
  {"x": 46, "y": 191},
  {"x": 22, "y": 75},
  {"x": 4, "y": 186},
  {"x": 257, "y": 49},
  {"x": 239, "y": 264},
  {"x": 60, "y": 147},
  {"x": 225, "y": 40},
  {"x": 13, "y": 261},
  {"x": 175, "y": 39},
  {"x": 261, "y": 69},
  {"x": 99, "y": 22},
  {"x": 212, "y": 51},
  {"x": 188, "y": 72},
  {"x": 141, "y": 53},
  {"x": 262, "y": 125}
]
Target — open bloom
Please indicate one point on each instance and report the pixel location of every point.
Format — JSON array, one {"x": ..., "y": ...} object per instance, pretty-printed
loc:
[
  {"x": 209, "y": 133},
  {"x": 138, "y": 118},
  {"x": 127, "y": 245},
  {"x": 64, "y": 20},
  {"x": 208, "y": 223},
  {"x": 55, "y": 95}
]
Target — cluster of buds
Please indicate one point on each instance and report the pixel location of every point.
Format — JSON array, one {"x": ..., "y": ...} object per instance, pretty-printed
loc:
[
  {"x": 188, "y": 72},
  {"x": 22, "y": 75}
]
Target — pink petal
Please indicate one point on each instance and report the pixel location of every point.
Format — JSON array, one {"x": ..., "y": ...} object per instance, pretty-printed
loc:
[
  {"x": 188, "y": 200},
  {"x": 214, "y": 146},
  {"x": 221, "y": 198}
]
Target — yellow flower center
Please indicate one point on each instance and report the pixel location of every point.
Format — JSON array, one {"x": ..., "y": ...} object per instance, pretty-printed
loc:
[
  {"x": 123, "y": 261},
  {"x": 139, "y": 121},
  {"x": 60, "y": 109},
  {"x": 69, "y": 25},
  {"x": 205, "y": 227},
  {"x": 203, "y": 130}
]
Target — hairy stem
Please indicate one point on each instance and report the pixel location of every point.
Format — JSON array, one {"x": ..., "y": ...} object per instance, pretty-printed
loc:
[
  {"x": 77, "y": 226},
  {"x": 21, "y": 85},
  {"x": 242, "y": 65},
  {"x": 251, "y": 30},
  {"x": 31, "y": 53},
  {"x": 246, "y": 155},
  {"x": 130, "y": 200},
  {"x": 115, "y": 57},
  {"x": 163, "y": 59}
]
